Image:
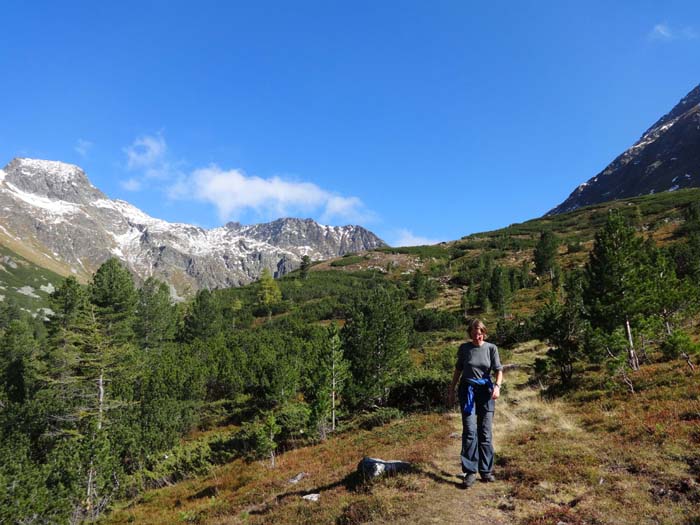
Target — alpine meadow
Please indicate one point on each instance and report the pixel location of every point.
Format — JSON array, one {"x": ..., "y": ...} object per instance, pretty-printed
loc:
[
  {"x": 126, "y": 407},
  {"x": 347, "y": 263}
]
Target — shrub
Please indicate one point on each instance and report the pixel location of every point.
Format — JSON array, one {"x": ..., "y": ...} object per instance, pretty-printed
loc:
[
  {"x": 347, "y": 260},
  {"x": 181, "y": 462},
  {"x": 254, "y": 440},
  {"x": 379, "y": 417},
  {"x": 512, "y": 331},
  {"x": 293, "y": 420},
  {"x": 431, "y": 319},
  {"x": 423, "y": 391},
  {"x": 678, "y": 343}
]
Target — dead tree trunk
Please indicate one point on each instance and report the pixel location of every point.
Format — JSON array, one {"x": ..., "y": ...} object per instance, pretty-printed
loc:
[{"x": 631, "y": 354}]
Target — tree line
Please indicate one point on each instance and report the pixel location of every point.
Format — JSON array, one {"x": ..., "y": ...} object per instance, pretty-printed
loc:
[
  {"x": 632, "y": 295},
  {"x": 95, "y": 400}
]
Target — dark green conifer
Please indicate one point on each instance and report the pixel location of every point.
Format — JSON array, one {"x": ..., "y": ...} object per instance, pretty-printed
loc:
[
  {"x": 545, "y": 254},
  {"x": 204, "y": 319},
  {"x": 155, "y": 314},
  {"x": 375, "y": 340},
  {"x": 114, "y": 296}
]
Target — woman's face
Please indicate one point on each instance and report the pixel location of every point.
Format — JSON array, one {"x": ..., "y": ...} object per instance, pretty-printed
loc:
[{"x": 477, "y": 335}]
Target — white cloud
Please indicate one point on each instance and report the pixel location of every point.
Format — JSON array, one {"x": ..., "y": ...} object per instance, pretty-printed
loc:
[
  {"x": 131, "y": 184},
  {"x": 233, "y": 192},
  {"x": 147, "y": 157},
  {"x": 405, "y": 237},
  {"x": 665, "y": 32},
  {"x": 349, "y": 209},
  {"x": 661, "y": 32},
  {"x": 146, "y": 152},
  {"x": 82, "y": 147}
]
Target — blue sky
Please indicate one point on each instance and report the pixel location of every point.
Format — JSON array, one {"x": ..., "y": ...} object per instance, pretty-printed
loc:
[{"x": 420, "y": 120}]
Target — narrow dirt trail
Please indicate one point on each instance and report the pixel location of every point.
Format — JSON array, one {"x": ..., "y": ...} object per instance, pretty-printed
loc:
[{"x": 519, "y": 409}]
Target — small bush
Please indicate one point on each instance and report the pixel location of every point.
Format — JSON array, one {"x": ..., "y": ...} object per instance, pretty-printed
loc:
[
  {"x": 677, "y": 344},
  {"x": 253, "y": 441},
  {"x": 365, "y": 510},
  {"x": 512, "y": 331},
  {"x": 347, "y": 260},
  {"x": 423, "y": 391},
  {"x": 574, "y": 247},
  {"x": 431, "y": 319},
  {"x": 379, "y": 417},
  {"x": 293, "y": 420},
  {"x": 184, "y": 461}
]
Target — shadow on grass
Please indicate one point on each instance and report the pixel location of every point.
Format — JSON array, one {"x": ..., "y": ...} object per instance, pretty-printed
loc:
[{"x": 355, "y": 482}]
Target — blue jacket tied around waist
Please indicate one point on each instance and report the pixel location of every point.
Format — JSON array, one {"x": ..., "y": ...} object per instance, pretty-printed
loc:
[{"x": 471, "y": 384}]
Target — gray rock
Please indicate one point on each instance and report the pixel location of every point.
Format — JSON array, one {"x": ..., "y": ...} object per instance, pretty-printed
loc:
[
  {"x": 371, "y": 468},
  {"x": 296, "y": 479}
]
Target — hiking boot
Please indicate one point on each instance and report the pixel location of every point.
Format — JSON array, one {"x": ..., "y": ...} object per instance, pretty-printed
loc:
[
  {"x": 469, "y": 480},
  {"x": 488, "y": 477}
]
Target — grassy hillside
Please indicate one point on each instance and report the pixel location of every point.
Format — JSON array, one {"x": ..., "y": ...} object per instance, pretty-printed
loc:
[
  {"x": 592, "y": 457},
  {"x": 25, "y": 284},
  {"x": 614, "y": 446},
  {"x": 207, "y": 409}
]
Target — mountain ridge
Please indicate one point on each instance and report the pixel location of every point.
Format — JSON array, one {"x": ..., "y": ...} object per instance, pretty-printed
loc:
[
  {"x": 54, "y": 207},
  {"x": 665, "y": 158}
]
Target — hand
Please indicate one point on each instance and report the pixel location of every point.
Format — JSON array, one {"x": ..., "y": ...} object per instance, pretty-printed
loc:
[
  {"x": 496, "y": 392},
  {"x": 451, "y": 396}
]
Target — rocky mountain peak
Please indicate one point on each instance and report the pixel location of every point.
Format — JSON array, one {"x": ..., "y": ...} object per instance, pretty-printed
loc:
[
  {"x": 665, "y": 158},
  {"x": 687, "y": 103},
  {"x": 51, "y": 179}
]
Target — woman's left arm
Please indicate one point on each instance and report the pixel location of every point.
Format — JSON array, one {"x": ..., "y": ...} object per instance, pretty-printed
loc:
[{"x": 497, "y": 385}]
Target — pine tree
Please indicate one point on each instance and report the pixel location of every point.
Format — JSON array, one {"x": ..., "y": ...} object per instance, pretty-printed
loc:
[
  {"x": 375, "y": 341},
  {"x": 18, "y": 361},
  {"x": 564, "y": 327},
  {"x": 328, "y": 377},
  {"x": 204, "y": 318},
  {"x": 483, "y": 274},
  {"x": 69, "y": 331},
  {"x": 155, "y": 314},
  {"x": 613, "y": 278},
  {"x": 269, "y": 293},
  {"x": 305, "y": 265},
  {"x": 114, "y": 296},
  {"x": 545, "y": 254},
  {"x": 499, "y": 290},
  {"x": 661, "y": 293}
]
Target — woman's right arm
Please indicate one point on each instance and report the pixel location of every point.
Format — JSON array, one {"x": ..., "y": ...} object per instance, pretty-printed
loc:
[{"x": 451, "y": 392}]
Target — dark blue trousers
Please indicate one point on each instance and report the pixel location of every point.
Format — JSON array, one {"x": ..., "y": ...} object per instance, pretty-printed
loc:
[
  {"x": 477, "y": 443},
  {"x": 477, "y": 433}
]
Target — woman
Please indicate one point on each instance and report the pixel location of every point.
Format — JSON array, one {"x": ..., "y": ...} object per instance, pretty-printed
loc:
[{"x": 477, "y": 360}]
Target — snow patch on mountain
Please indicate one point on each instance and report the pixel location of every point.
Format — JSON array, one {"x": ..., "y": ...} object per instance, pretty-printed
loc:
[
  {"x": 58, "y": 171},
  {"x": 54, "y": 207}
]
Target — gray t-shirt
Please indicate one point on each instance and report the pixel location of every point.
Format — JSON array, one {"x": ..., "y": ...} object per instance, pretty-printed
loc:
[{"x": 477, "y": 362}]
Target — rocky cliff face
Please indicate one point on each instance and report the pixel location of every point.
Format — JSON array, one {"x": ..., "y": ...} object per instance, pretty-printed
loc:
[
  {"x": 54, "y": 207},
  {"x": 666, "y": 158}
]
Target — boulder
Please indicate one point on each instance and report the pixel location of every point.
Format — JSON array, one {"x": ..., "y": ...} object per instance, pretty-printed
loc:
[{"x": 371, "y": 468}]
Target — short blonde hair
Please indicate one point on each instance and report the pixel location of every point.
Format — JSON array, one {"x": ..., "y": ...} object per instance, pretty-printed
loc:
[{"x": 477, "y": 323}]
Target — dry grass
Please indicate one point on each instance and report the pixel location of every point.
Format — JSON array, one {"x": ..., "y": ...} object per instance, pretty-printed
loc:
[
  {"x": 618, "y": 458},
  {"x": 598, "y": 458},
  {"x": 255, "y": 493}
]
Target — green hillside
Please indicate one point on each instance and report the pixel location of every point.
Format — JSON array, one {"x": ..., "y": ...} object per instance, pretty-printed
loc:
[
  {"x": 25, "y": 284},
  {"x": 202, "y": 412}
]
